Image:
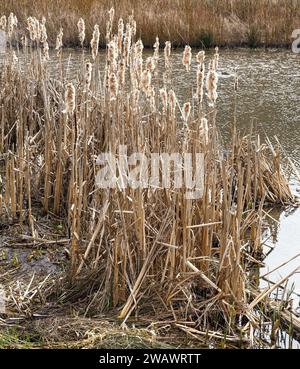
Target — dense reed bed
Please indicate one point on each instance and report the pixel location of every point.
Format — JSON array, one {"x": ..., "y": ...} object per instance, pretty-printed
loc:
[
  {"x": 150, "y": 252},
  {"x": 194, "y": 22}
]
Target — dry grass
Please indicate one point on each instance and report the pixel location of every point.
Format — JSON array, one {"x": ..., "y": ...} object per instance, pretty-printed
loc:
[
  {"x": 194, "y": 22},
  {"x": 144, "y": 252}
]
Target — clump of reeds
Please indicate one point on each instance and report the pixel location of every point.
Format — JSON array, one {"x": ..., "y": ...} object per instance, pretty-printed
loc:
[{"x": 136, "y": 247}]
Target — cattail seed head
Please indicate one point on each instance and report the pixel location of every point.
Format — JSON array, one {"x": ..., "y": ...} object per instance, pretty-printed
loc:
[
  {"x": 215, "y": 62},
  {"x": 135, "y": 98},
  {"x": 172, "y": 103},
  {"x": 164, "y": 99},
  {"x": 120, "y": 35},
  {"x": 43, "y": 33},
  {"x": 127, "y": 43},
  {"x": 121, "y": 72},
  {"x": 12, "y": 23},
  {"x": 113, "y": 86},
  {"x": 3, "y": 23},
  {"x": 139, "y": 47},
  {"x": 151, "y": 64},
  {"x": 187, "y": 58},
  {"x": 132, "y": 23},
  {"x": 95, "y": 41},
  {"x": 145, "y": 81},
  {"x": 111, "y": 14},
  {"x": 37, "y": 29},
  {"x": 112, "y": 54},
  {"x": 46, "y": 50},
  {"x": 15, "y": 59},
  {"x": 186, "y": 111},
  {"x": 88, "y": 76},
  {"x": 212, "y": 84},
  {"x": 81, "y": 30},
  {"x": 203, "y": 130},
  {"x": 167, "y": 53},
  {"x": 59, "y": 40},
  {"x": 70, "y": 98},
  {"x": 24, "y": 42},
  {"x": 200, "y": 82},
  {"x": 31, "y": 28},
  {"x": 151, "y": 95},
  {"x": 156, "y": 49},
  {"x": 200, "y": 57}
]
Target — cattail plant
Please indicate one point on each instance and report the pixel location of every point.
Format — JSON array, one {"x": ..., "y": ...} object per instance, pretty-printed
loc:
[
  {"x": 151, "y": 96},
  {"x": 14, "y": 59},
  {"x": 46, "y": 50},
  {"x": 164, "y": 99},
  {"x": 145, "y": 83},
  {"x": 200, "y": 82},
  {"x": 172, "y": 103},
  {"x": 70, "y": 99},
  {"x": 120, "y": 35},
  {"x": 216, "y": 58},
  {"x": 113, "y": 86},
  {"x": 3, "y": 23},
  {"x": 43, "y": 32},
  {"x": 151, "y": 63},
  {"x": 132, "y": 24},
  {"x": 200, "y": 57},
  {"x": 81, "y": 31},
  {"x": 31, "y": 28},
  {"x": 187, "y": 58},
  {"x": 12, "y": 23},
  {"x": 203, "y": 129},
  {"x": 109, "y": 24},
  {"x": 167, "y": 53},
  {"x": 156, "y": 49},
  {"x": 88, "y": 76},
  {"x": 59, "y": 40},
  {"x": 112, "y": 54},
  {"x": 122, "y": 72},
  {"x": 127, "y": 43},
  {"x": 186, "y": 111},
  {"x": 95, "y": 42},
  {"x": 212, "y": 84}
]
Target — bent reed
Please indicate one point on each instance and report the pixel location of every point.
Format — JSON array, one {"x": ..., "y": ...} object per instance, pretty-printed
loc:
[{"x": 145, "y": 252}]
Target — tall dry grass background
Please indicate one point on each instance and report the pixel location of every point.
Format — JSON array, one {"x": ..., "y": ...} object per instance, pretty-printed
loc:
[
  {"x": 149, "y": 252},
  {"x": 194, "y": 22}
]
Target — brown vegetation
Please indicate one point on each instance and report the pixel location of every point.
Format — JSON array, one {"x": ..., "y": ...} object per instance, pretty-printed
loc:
[
  {"x": 147, "y": 251},
  {"x": 194, "y": 22}
]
